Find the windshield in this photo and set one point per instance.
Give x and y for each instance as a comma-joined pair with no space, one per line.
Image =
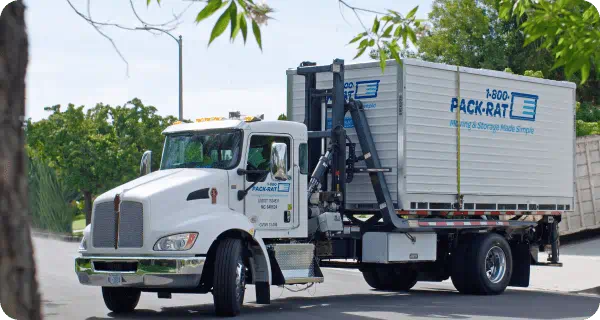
220,149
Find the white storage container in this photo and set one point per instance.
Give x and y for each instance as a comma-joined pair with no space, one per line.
517,136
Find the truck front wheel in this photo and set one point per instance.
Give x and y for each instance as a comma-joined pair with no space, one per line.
121,300
229,284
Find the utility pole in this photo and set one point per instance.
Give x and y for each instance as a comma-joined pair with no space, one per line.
180,45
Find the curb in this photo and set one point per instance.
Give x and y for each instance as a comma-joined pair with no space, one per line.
56,236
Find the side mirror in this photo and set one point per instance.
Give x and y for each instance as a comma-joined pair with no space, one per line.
146,163
279,161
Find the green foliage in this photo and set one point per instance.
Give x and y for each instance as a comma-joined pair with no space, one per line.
587,112
236,16
48,199
282,117
570,29
508,70
535,74
384,34
470,33
99,149
587,128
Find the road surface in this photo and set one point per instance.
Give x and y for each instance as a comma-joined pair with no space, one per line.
344,295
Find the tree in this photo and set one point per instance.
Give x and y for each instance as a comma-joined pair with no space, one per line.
470,33
99,149
19,295
282,117
570,29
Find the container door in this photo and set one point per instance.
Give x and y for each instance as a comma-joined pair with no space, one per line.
269,204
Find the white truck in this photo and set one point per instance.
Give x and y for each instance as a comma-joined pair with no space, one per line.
423,173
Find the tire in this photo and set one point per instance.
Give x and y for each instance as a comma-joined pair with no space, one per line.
487,251
459,276
229,278
372,278
391,278
121,300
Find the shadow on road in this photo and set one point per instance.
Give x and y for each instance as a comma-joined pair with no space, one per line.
515,304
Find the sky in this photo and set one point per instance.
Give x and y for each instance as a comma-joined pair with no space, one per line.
72,63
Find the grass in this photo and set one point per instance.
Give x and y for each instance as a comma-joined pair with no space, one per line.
79,222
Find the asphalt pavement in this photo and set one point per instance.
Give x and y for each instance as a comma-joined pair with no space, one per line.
344,295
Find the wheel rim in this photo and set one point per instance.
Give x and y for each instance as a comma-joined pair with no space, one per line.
495,264
240,281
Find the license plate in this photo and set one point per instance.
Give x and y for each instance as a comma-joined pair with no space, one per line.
114,279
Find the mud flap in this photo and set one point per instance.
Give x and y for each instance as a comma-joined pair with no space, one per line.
263,293
521,265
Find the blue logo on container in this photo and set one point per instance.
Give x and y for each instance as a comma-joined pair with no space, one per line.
366,89
523,106
283,187
348,123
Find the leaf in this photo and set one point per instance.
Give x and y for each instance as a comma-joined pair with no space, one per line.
360,52
371,42
585,72
396,13
148,2
364,43
236,30
244,27
412,13
394,53
387,32
375,28
208,10
398,31
412,35
220,26
382,58
233,16
358,37
256,31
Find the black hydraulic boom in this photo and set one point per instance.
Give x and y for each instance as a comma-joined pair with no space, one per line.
334,161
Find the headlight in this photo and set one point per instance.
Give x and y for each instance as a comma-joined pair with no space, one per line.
83,244
176,242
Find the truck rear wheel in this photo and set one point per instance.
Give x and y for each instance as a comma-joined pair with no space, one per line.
229,284
391,277
121,300
491,262
459,275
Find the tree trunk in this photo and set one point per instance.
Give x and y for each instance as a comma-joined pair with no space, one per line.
87,202
19,295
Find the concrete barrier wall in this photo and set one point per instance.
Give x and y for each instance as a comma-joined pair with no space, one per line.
587,185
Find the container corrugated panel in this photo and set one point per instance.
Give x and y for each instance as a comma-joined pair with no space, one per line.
586,215
379,94
516,138
430,143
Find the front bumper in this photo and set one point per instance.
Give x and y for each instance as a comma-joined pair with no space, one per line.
140,272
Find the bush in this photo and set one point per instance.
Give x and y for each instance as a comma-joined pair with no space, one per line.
48,199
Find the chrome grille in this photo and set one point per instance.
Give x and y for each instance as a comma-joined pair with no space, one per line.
131,225
103,225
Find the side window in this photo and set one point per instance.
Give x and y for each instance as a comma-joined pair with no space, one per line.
303,161
259,154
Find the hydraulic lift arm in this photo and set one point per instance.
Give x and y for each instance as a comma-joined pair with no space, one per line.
334,161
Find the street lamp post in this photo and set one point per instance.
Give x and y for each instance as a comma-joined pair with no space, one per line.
180,45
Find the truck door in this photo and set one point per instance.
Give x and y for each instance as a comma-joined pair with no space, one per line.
270,203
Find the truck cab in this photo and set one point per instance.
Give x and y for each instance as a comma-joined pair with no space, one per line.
218,179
